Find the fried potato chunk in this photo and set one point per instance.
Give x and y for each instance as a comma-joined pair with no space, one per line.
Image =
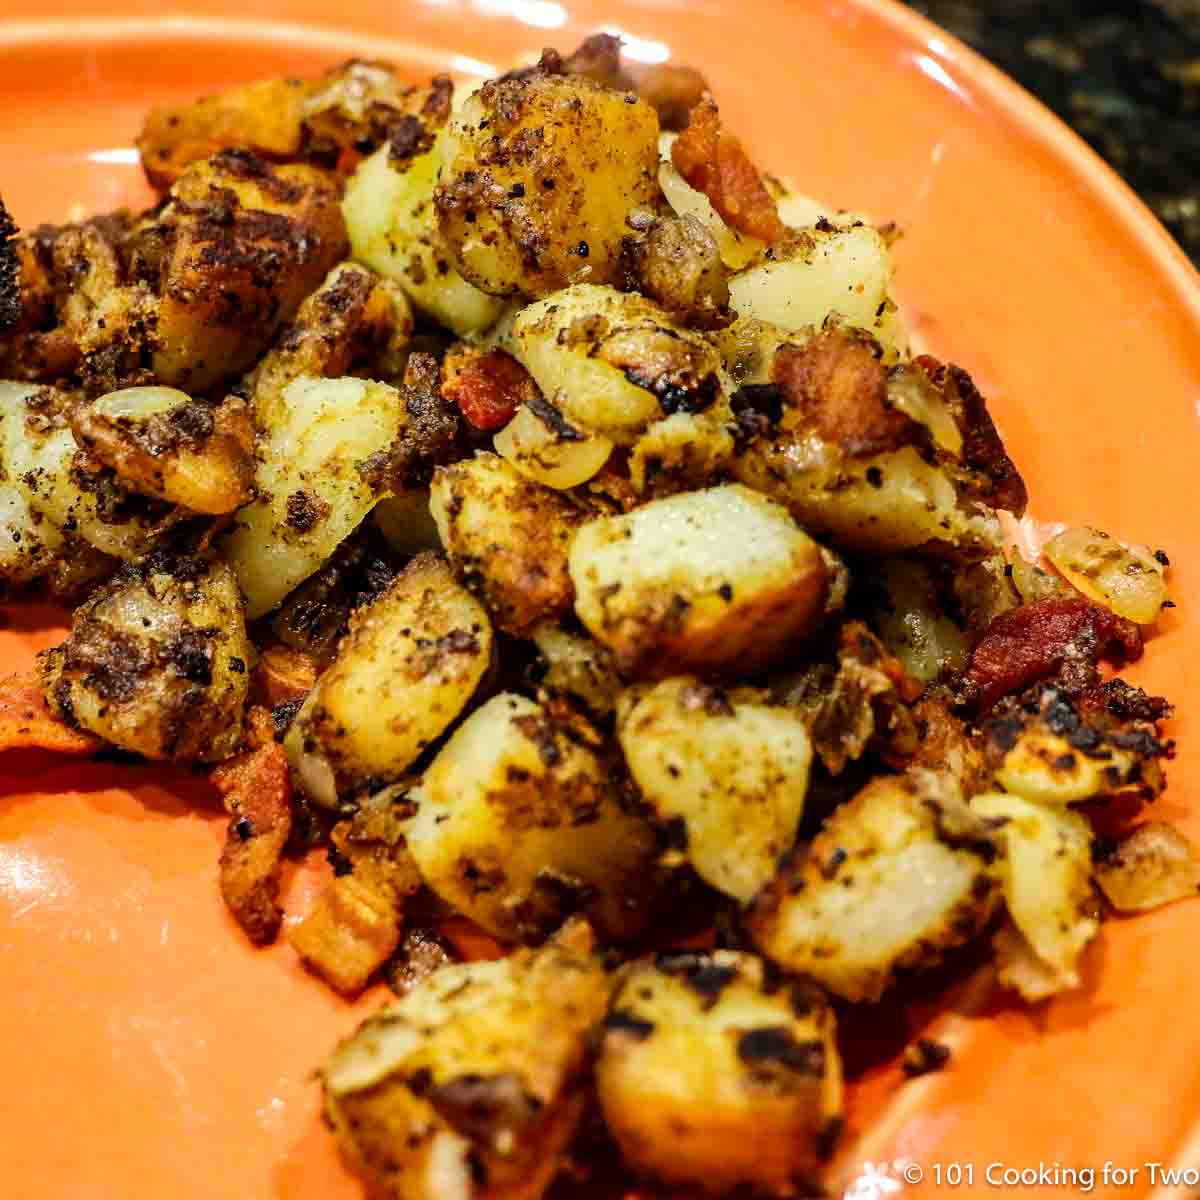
1153,865
539,174
157,661
470,1087
410,663
896,876
162,443
716,580
507,539
726,771
714,1073
518,824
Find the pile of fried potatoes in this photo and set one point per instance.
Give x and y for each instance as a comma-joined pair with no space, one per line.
518,494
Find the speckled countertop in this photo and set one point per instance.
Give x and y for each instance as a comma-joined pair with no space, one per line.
1124,73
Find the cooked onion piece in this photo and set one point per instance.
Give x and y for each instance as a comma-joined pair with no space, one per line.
1126,579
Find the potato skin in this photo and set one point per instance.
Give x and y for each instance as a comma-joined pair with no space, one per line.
540,172
519,824
896,876
410,663
714,1074
717,580
507,539
157,661
730,768
470,1086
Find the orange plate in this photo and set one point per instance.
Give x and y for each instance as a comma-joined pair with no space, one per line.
149,1052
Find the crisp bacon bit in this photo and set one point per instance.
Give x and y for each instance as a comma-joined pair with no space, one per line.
487,388
837,387
282,674
26,722
715,163
983,450
1034,641
257,791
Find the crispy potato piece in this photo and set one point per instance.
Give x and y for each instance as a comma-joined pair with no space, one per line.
577,666
257,793
518,824
162,443
819,272
26,721
264,117
55,487
726,771
1046,870
409,665
393,229
896,877
1152,866
712,1074
1128,580
157,661
716,580
354,324
885,504
470,1086
678,265
540,172
683,452
544,448
610,363
249,242
311,494
507,539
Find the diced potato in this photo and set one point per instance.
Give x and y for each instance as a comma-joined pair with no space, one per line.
539,175
518,825
393,229
713,1077
29,543
559,457
885,504
914,624
409,665
470,1086
612,362
719,579
311,494
578,666
1152,866
683,452
1046,871
507,539
249,240
1126,579
896,876
842,272
157,661
161,442
730,770
355,323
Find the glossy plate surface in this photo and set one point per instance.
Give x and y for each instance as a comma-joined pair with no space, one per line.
149,1052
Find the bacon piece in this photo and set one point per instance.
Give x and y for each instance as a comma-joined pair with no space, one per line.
1036,641
487,388
715,163
26,722
983,450
257,791
836,387
282,674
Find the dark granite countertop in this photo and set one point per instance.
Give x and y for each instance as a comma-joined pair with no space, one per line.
1124,73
